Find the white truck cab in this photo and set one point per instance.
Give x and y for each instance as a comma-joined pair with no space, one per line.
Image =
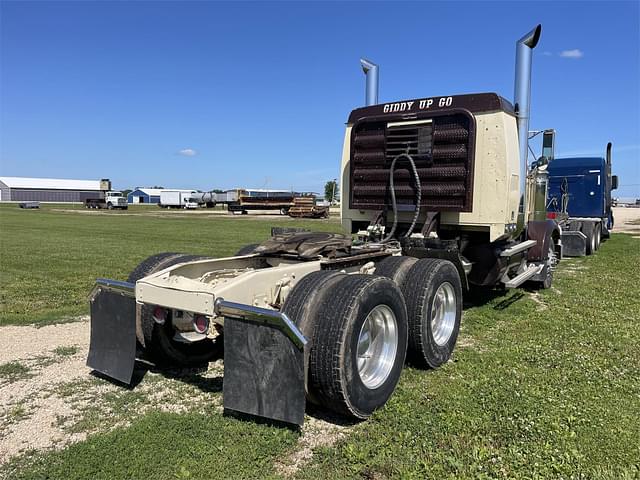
115,199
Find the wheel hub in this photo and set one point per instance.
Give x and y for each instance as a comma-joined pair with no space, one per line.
443,313
377,346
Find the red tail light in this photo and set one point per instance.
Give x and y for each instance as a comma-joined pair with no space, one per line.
201,324
551,215
160,315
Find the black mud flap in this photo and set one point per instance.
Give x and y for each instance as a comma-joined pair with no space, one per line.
264,372
112,350
574,243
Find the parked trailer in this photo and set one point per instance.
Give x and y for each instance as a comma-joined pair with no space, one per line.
307,207
177,199
208,199
29,205
440,192
243,199
580,201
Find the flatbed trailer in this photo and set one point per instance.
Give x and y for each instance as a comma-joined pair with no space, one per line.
440,196
306,207
241,200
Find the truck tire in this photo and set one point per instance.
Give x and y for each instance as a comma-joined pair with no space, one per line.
348,372
304,299
158,343
247,249
395,268
302,304
433,292
547,270
588,229
597,231
109,206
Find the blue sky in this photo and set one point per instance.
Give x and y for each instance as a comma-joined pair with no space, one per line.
218,95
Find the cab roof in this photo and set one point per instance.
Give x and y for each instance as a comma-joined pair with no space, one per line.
575,164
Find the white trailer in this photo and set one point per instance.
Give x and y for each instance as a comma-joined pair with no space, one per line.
176,199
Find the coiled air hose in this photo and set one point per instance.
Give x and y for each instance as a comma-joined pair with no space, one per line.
394,206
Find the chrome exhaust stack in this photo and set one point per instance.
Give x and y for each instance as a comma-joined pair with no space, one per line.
608,157
522,101
370,69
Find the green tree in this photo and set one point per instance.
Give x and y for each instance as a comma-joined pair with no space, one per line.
331,190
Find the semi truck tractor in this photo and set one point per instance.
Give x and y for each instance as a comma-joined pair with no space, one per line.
441,196
580,201
106,198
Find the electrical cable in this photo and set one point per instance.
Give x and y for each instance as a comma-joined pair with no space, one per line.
394,206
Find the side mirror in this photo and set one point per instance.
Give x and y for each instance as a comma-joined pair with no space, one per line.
614,182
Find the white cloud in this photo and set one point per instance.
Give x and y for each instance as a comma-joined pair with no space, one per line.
575,53
188,152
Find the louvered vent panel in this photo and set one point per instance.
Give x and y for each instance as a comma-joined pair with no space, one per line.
441,149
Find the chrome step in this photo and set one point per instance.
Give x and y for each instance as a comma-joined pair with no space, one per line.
520,247
529,272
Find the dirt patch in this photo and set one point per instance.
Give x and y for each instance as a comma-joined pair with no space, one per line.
317,432
465,341
59,402
18,343
540,304
570,268
626,220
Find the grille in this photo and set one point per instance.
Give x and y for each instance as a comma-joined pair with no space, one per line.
441,149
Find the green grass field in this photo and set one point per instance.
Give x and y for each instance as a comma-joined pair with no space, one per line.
541,385
50,257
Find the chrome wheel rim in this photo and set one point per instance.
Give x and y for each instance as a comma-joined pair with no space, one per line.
377,346
443,314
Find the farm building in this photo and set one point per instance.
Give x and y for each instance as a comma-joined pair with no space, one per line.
21,189
144,195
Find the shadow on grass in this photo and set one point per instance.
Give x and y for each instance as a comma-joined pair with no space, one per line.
320,413
193,376
247,417
189,375
480,296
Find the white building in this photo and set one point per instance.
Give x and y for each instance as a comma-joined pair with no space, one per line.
24,189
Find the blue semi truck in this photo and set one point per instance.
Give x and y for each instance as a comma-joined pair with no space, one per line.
579,199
